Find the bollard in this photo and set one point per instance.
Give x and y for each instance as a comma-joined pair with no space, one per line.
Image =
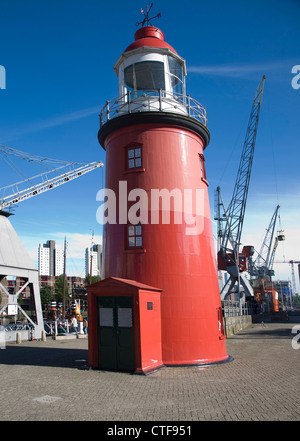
18,339
44,336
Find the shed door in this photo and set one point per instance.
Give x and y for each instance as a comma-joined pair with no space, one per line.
116,333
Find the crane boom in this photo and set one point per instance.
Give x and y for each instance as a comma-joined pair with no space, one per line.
229,258
20,195
263,263
236,209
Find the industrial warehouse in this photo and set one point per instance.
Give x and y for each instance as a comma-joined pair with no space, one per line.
173,302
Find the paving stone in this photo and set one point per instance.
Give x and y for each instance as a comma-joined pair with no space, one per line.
42,381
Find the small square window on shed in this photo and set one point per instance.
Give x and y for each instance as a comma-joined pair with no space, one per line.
150,306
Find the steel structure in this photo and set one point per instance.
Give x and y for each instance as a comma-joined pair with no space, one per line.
13,194
14,259
291,262
262,266
229,257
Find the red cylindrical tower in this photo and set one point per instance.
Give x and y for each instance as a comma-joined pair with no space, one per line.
160,233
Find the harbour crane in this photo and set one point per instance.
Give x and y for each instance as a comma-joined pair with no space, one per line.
262,266
13,194
14,258
229,237
292,263
261,269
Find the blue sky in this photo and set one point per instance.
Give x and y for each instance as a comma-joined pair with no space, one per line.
59,57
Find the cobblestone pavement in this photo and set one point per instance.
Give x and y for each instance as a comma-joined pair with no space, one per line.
41,381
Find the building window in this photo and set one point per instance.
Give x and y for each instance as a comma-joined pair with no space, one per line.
134,157
202,168
134,236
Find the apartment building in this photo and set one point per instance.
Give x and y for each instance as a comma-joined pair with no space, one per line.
50,259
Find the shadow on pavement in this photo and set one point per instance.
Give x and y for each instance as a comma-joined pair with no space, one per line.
268,330
42,356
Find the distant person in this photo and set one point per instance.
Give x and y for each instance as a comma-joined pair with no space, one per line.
85,326
74,325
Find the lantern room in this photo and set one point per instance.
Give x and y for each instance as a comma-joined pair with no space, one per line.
150,64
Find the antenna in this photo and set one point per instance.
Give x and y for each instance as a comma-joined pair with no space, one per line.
147,19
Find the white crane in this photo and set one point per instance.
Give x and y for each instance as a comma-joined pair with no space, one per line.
292,263
13,194
14,259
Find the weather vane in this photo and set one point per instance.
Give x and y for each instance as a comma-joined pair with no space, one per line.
147,19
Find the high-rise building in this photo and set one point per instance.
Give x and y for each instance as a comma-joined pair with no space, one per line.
93,257
50,259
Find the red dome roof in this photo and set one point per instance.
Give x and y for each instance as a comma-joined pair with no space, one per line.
149,36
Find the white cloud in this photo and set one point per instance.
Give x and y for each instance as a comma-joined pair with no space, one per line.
240,70
54,121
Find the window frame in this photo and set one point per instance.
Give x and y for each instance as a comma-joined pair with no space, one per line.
135,235
173,77
133,146
202,168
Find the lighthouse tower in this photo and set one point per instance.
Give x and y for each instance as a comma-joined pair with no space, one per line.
154,135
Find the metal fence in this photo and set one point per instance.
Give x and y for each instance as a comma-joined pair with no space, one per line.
234,308
153,100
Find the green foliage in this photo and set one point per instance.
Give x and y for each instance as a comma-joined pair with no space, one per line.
58,288
94,280
297,301
46,294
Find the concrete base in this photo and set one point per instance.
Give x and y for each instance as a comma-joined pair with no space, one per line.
69,336
236,323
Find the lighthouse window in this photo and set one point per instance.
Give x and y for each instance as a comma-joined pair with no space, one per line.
202,166
134,157
146,75
135,239
176,75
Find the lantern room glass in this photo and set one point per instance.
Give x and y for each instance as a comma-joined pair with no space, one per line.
145,75
176,75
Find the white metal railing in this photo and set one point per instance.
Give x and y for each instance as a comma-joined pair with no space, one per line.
152,100
234,308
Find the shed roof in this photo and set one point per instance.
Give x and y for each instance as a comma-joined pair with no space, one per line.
120,281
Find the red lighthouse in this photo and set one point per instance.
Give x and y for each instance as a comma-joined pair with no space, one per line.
154,135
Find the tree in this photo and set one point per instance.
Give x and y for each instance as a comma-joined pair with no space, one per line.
297,301
58,288
94,279
46,294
